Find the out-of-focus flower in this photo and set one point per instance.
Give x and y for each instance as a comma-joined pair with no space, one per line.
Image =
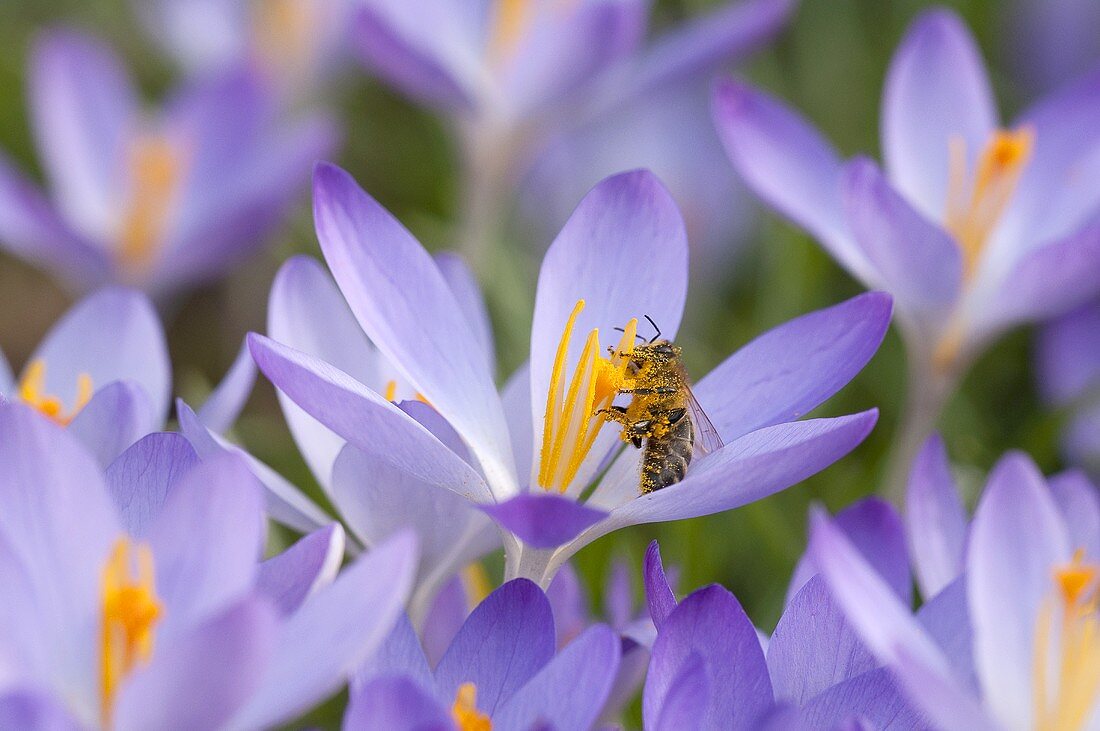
1051,41
534,452
158,201
1068,365
1030,592
973,228
291,43
134,596
500,672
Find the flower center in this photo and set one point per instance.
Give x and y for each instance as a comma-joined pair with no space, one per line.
465,713
1067,652
31,392
571,424
975,203
155,173
391,393
131,610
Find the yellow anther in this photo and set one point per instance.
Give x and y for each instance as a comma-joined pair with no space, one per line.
465,713
1077,579
476,584
510,23
31,392
130,614
391,390
155,173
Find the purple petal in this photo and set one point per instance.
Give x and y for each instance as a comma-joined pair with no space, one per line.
618,596
788,371
143,476
30,711
467,293
395,703
333,633
448,612
224,404
1017,540
587,667
291,577
1079,505
915,259
936,90
936,519
508,638
569,603
219,663
516,398
659,596
406,307
544,520
871,700
1069,355
118,415
688,698
711,625
401,654
946,618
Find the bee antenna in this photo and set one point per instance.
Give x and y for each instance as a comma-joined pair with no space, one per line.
651,322
640,337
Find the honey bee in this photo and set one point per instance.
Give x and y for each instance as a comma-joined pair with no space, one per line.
663,416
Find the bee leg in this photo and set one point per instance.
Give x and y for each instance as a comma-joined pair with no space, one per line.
666,391
636,441
675,415
616,414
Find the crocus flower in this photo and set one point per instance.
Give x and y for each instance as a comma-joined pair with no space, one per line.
1030,589
973,227
533,453
1068,377
1051,41
160,201
500,672
134,598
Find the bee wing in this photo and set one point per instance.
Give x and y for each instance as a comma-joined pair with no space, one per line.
707,438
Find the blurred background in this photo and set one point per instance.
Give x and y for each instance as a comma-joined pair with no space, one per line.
830,63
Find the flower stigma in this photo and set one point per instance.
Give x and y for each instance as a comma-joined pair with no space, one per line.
155,174
1067,648
571,422
31,392
131,611
465,713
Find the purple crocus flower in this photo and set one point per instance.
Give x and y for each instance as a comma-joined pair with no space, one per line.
1029,589
133,597
501,671
1051,41
1069,378
973,227
158,201
534,452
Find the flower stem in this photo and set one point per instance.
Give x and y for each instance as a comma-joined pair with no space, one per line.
486,175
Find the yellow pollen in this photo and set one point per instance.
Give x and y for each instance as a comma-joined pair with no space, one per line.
973,210
1068,643
390,393
154,179
571,422
130,613
475,582
30,391
465,713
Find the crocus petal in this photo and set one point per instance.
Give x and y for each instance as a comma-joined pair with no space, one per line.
916,259
508,638
1017,539
206,541
946,618
871,700
294,575
143,476
364,418
516,397
31,711
788,371
332,634
112,335
1079,505
118,415
84,110
401,654
935,518
406,307
7,381
569,601
687,700
1068,354
790,165
395,703
658,593
448,612
467,293
225,402
219,662
544,520
936,91
587,666
711,625
813,647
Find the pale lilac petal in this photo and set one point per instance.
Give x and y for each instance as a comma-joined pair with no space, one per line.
400,653
618,595
1068,355
813,647
467,293
395,703
291,577
143,476
332,634
1079,504
406,307
543,520
112,335
118,415
570,604
788,371
440,428
936,90
687,699
516,397
1017,539
587,666
365,419
917,261
206,541
936,519
31,711
508,638
200,678
871,700
659,597
224,404
84,109
446,616
711,624
947,620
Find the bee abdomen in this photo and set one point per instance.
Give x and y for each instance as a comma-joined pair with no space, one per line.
665,460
